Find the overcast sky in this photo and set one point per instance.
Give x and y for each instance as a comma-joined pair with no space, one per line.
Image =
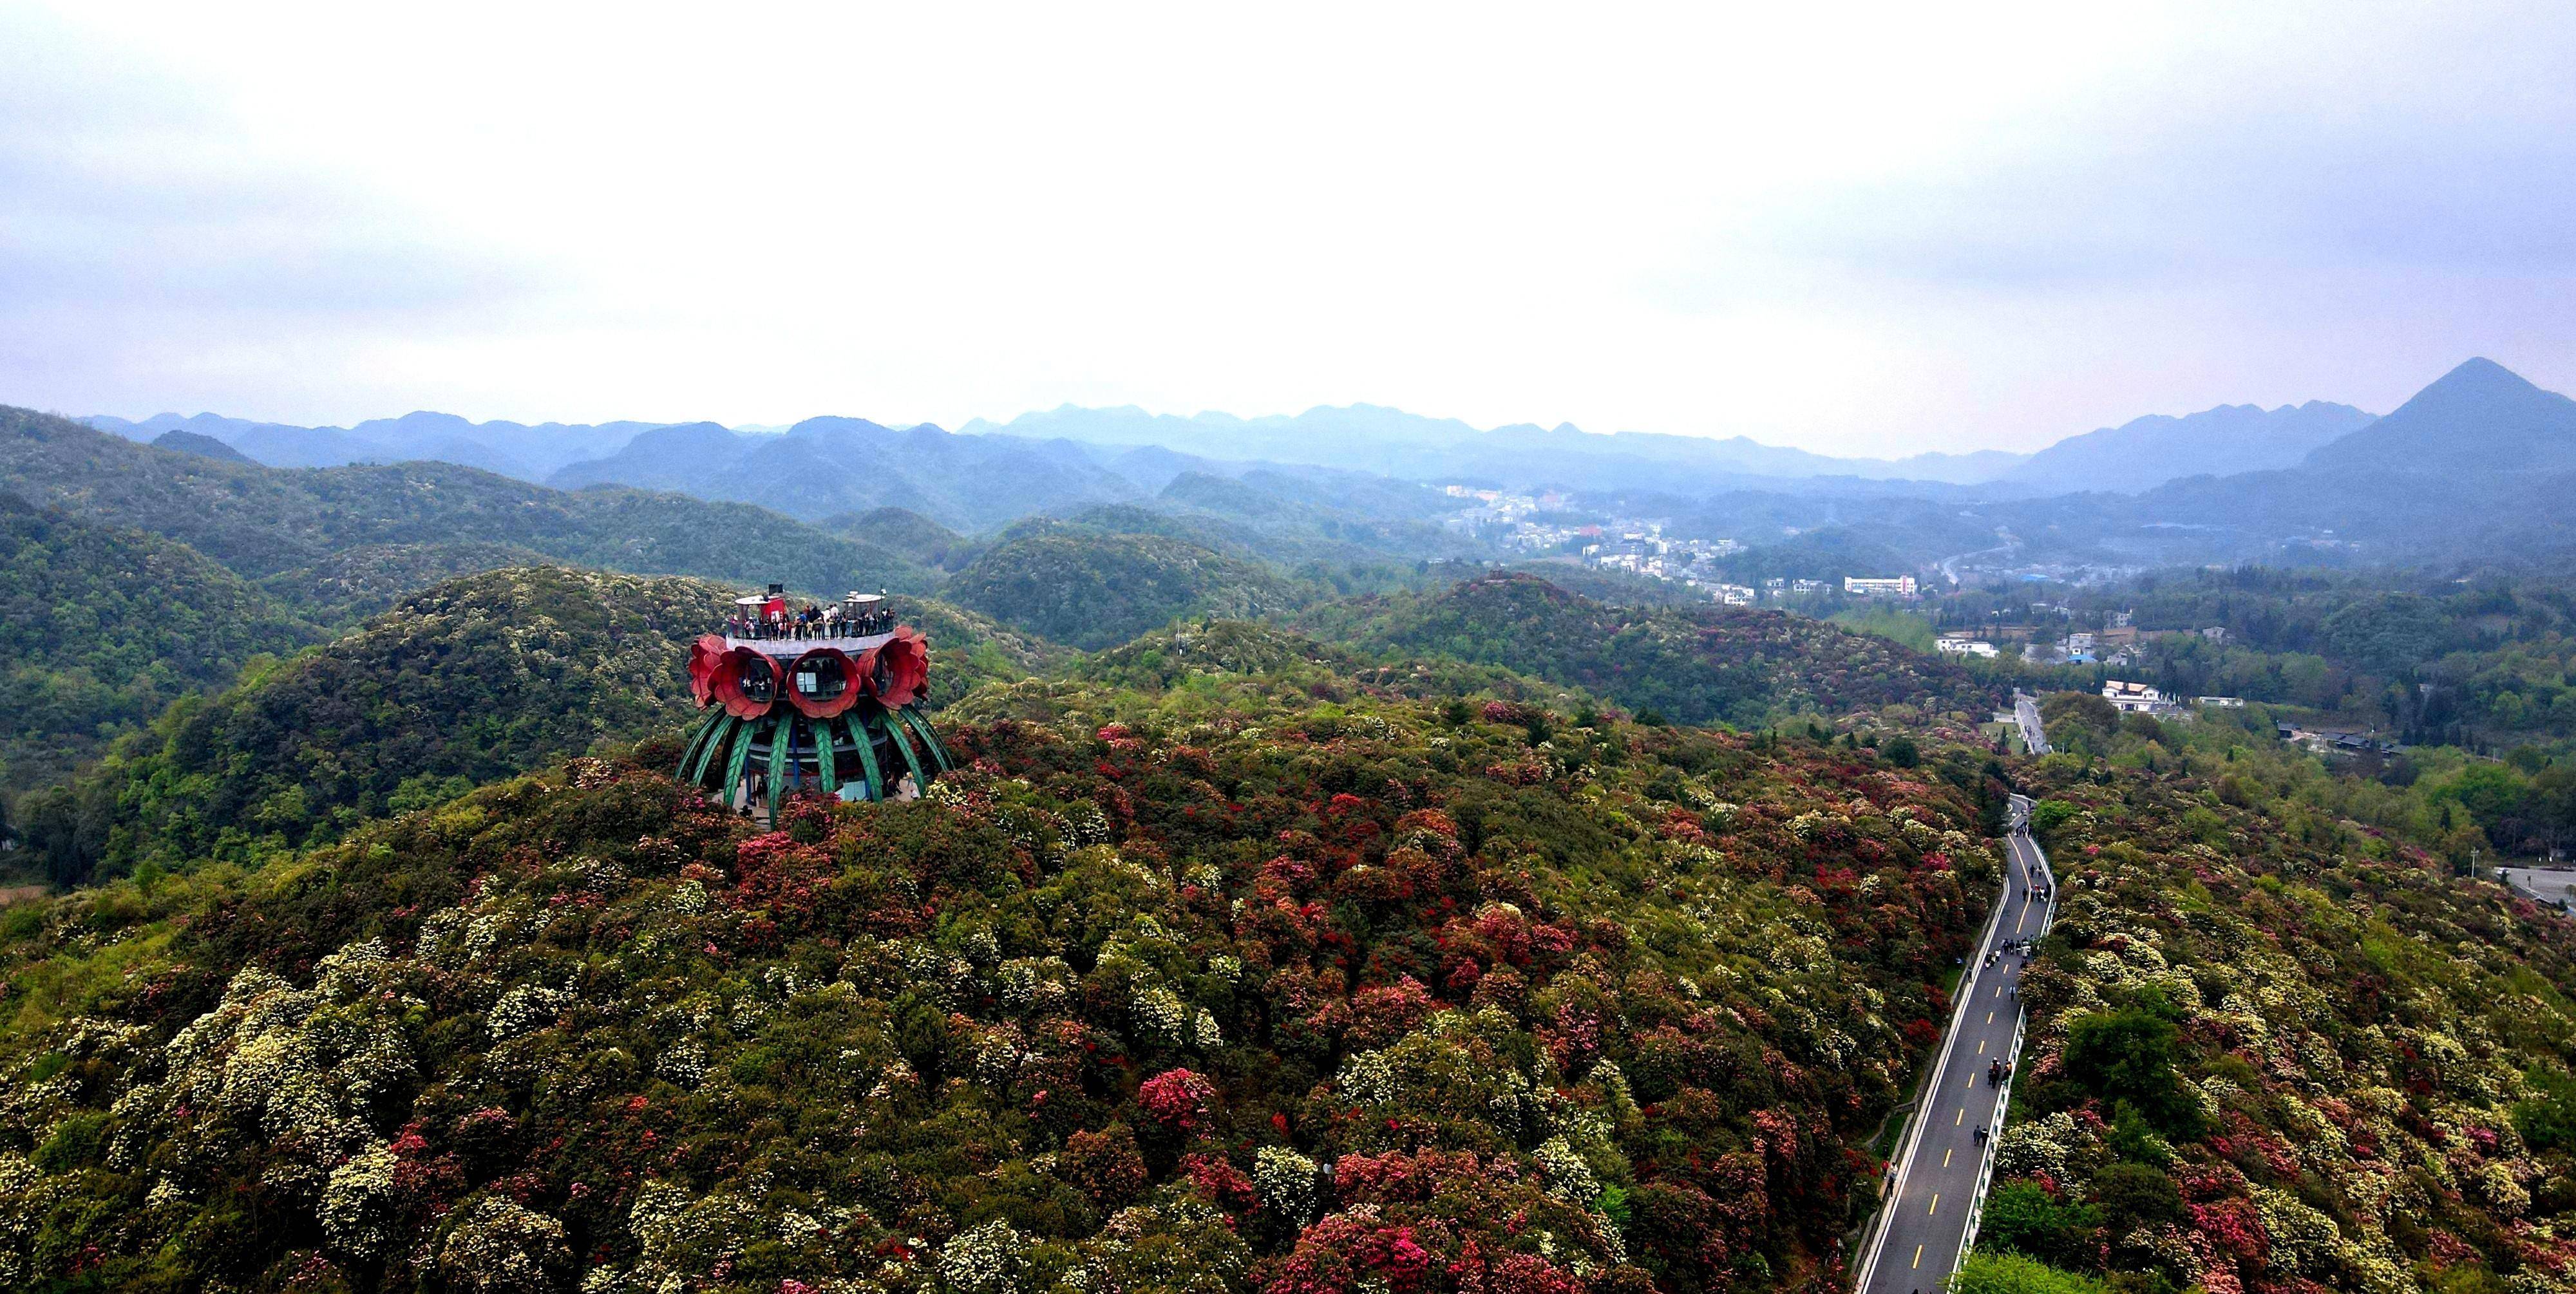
1861,230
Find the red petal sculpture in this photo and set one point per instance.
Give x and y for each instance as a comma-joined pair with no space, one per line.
746,683
704,657
898,669
837,683
759,692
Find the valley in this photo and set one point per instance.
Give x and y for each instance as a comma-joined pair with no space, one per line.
1313,891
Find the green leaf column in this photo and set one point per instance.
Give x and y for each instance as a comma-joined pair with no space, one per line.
867,744
894,729
734,766
824,736
782,735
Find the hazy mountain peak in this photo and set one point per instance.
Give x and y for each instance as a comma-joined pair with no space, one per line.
2479,379
203,446
830,424
2479,417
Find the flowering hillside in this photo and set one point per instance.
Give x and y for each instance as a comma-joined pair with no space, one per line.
1297,994
2276,1052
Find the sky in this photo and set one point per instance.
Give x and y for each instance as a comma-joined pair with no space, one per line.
1858,229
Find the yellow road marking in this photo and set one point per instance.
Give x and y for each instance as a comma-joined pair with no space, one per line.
1981,1046
1936,1204
1918,1256
2025,919
1990,1017
1945,1156
1963,1117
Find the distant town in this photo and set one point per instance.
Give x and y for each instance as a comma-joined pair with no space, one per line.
1639,546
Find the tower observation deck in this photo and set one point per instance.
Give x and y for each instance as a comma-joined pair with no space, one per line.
815,698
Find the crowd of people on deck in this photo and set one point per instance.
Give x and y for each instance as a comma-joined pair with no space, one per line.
811,621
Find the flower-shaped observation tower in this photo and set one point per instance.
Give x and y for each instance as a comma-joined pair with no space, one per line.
826,698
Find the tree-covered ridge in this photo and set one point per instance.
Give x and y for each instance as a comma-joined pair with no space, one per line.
1333,517
2485,659
101,627
1728,664
2272,1050
901,530
474,680
260,521
1091,588
2438,798
1314,996
1206,666
350,584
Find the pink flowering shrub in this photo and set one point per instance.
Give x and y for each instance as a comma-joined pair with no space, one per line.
1176,1098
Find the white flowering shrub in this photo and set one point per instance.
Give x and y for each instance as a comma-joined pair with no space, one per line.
23,1205
355,1204
1177,1244
1034,983
1159,1017
2052,1147
522,1009
498,1246
985,1260
1286,1181
1568,1177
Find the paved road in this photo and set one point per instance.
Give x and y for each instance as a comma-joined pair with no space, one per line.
1950,565
1939,1173
2555,886
2034,737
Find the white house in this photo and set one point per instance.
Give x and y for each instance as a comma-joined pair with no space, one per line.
1900,586
2132,698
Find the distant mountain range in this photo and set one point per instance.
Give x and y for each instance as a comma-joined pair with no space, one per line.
2141,454
2477,459
326,529
1395,443
825,466
515,449
1069,457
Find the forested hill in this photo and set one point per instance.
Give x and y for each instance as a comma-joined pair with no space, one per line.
261,521
1695,665
474,680
1206,658
1095,588
1303,995
100,627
